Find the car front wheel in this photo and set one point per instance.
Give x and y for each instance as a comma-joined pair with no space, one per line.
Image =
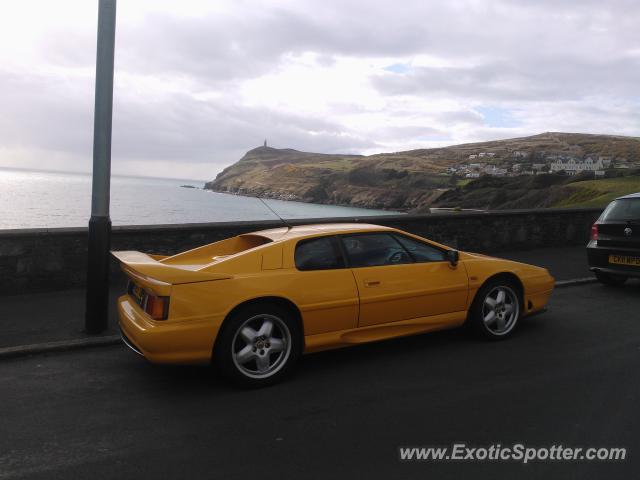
496,310
258,345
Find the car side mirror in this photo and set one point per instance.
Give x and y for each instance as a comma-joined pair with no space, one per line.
453,256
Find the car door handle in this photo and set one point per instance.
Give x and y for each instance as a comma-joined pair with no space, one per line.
371,283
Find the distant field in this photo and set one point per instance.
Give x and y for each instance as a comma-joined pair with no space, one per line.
598,193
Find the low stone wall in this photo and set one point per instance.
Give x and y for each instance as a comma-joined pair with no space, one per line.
51,259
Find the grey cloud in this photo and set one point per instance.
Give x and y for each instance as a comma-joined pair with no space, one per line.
55,115
181,127
253,38
460,117
555,60
534,79
407,133
518,50
46,113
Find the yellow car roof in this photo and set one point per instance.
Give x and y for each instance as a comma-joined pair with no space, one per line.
285,233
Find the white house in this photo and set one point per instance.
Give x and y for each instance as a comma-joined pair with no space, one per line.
606,161
495,171
574,167
519,154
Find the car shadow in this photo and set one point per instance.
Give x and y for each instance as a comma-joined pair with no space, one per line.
207,380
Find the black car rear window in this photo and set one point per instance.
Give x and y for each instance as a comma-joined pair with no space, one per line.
622,210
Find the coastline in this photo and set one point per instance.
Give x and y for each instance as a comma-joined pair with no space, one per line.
290,197
31,199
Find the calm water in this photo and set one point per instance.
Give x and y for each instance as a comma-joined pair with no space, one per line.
43,199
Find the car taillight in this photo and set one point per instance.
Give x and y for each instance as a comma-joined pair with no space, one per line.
157,307
594,232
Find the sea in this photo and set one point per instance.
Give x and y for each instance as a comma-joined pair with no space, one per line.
39,199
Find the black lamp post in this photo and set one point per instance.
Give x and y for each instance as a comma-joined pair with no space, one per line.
97,300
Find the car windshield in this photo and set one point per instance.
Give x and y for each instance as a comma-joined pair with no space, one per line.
622,210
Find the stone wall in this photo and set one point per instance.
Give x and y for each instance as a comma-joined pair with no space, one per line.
52,259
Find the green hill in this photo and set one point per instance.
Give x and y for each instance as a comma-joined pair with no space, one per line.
415,180
539,191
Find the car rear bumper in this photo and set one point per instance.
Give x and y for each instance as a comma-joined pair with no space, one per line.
187,342
598,258
129,343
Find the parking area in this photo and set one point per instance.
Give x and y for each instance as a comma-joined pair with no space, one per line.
570,377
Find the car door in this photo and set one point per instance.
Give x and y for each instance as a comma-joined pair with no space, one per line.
400,278
325,290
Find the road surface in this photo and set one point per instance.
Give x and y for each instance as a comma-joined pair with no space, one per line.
570,377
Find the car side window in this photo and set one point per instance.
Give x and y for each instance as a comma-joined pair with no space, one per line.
420,251
374,249
318,254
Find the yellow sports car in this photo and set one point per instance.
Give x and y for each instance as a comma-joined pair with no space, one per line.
252,304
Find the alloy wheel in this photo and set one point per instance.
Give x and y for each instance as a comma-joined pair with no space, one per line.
261,346
500,310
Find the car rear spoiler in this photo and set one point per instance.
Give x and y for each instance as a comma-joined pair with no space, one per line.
154,272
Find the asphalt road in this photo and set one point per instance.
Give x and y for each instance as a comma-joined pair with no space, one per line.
570,377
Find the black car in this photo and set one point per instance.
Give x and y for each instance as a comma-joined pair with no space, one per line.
614,249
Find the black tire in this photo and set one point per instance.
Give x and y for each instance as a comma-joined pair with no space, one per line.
248,369
506,315
610,279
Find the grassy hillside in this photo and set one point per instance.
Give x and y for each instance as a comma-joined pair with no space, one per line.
598,193
415,180
544,191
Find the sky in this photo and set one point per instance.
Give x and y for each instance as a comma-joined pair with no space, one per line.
198,83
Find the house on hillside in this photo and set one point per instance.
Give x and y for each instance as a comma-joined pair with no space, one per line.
495,171
606,161
574,167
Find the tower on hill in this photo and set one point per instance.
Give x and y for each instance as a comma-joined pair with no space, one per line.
265,142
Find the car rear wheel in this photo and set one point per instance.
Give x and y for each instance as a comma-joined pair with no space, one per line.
610,279
496,310
258,345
